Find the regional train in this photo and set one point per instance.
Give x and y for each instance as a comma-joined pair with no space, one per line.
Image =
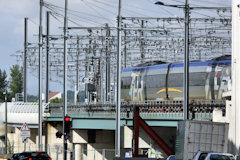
207,80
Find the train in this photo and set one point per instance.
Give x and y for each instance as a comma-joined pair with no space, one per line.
165,81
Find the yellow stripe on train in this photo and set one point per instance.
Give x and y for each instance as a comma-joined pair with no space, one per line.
169,89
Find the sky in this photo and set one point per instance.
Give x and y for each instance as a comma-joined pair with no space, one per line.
90,13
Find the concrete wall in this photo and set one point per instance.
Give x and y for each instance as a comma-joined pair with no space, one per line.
103,146
168,134
15,140
80,147
78,144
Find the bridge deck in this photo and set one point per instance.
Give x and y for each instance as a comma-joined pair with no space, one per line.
156,113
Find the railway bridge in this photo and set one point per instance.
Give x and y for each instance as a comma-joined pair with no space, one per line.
93,125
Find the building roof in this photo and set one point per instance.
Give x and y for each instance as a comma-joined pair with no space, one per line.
52,94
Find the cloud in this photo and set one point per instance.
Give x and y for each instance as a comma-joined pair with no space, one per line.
17,8
12,13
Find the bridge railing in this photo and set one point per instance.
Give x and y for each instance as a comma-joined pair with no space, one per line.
145,106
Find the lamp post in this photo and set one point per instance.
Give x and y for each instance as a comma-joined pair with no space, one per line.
5,95
186,55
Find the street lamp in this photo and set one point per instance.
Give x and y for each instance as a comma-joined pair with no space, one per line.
186,55
5,95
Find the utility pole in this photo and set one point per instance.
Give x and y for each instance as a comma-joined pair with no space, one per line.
25,59
98,79
40,80
88,68
186,62
47,57
94,63
107,63
101,73
6,146
86,77
142,42
118,101
65,78
76,98
125,46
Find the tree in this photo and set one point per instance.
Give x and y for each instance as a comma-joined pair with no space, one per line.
3,84
32,98
56,100
16,80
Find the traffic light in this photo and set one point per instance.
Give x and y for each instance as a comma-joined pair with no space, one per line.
68,124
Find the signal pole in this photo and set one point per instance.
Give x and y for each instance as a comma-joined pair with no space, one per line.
65,79
108,33
40,80
47,57
118,104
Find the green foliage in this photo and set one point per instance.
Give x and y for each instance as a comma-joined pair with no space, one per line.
16,80
56,100
3,84
32,98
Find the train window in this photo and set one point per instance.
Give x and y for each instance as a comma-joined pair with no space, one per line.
175,80
149,81
126,82
155,81
219,75
197,79
135,83
139,81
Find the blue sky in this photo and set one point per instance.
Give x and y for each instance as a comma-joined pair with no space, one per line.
12,13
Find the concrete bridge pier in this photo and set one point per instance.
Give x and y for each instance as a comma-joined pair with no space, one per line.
78,151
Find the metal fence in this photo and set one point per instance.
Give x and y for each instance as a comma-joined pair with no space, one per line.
56,152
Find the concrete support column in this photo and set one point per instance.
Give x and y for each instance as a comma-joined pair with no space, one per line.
234,126
78,152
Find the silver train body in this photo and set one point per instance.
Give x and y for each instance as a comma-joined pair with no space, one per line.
207,80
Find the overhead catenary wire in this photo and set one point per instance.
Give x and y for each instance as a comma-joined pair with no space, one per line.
74,11
157,43
75,16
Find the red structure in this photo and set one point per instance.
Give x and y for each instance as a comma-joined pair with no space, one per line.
139,122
